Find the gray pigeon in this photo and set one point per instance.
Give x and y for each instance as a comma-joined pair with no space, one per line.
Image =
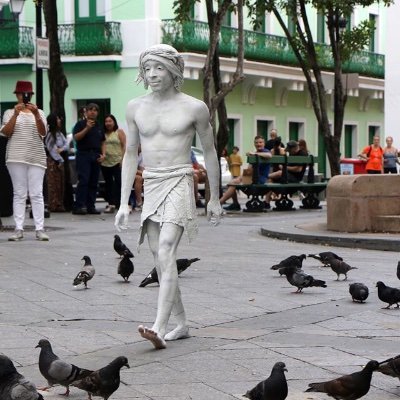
56,371
301,280
120,247
291,261
273,388
182,264
359,291
105,381
325,256
340,267
388,294
13,386
125,266
347,387
86,273
390,367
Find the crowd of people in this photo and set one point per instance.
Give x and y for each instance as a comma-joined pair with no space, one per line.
38,150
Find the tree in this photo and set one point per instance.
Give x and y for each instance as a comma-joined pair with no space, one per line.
343,43
57,80
214,90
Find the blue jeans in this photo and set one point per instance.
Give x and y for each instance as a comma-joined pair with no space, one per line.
87,169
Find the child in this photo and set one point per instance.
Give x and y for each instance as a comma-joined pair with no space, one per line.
235,162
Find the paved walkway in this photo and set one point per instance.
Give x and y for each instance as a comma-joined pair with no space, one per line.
243,316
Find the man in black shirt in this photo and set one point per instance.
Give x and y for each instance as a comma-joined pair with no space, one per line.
295,172
90,145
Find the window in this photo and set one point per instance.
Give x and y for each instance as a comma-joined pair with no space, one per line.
373,19
320,27
89,10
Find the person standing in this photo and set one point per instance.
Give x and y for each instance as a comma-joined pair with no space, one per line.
57,147
111,165
390,157
90,153
235,162
165,122
25,127
373,154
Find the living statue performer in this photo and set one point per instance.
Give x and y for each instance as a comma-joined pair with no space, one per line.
165,122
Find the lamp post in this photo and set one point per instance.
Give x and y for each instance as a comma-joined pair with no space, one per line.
16,7
39,71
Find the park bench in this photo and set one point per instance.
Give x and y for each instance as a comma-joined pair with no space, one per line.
255,191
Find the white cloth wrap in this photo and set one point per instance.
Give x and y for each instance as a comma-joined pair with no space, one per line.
169,197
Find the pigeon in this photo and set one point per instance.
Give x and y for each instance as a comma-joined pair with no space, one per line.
57,371
14,386
182,264
359,292
105,381
121,247
398,269
273,388
390,367
125,266
388,294
340,267
86,273
325,257
298,278
296,261
347,387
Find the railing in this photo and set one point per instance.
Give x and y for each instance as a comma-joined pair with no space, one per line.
91,39
194,36
16,42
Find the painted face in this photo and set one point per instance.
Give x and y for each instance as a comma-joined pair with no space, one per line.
109,124
259,144
157,76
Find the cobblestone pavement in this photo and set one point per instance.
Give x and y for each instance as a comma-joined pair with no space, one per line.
243,316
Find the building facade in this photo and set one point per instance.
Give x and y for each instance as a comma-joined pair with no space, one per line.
101,41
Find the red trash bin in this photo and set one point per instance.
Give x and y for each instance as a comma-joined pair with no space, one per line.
352,166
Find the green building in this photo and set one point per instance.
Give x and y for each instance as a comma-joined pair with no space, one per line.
101,41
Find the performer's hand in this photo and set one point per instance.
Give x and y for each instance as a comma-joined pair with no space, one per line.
121,219
214,212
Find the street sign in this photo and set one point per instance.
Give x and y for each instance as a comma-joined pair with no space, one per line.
42,53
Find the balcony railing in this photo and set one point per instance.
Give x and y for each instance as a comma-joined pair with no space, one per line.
194,36
91,39
16,42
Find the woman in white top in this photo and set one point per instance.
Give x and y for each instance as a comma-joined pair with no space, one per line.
25,127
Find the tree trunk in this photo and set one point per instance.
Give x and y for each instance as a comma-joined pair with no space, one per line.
57,80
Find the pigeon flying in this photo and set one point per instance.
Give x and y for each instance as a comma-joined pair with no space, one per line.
86,273
273,388
340,267
292,261
347,387
390,367
56,371
182,264
105,381
325,257
359,292
13,386
299,279
125,266
388,294
121,247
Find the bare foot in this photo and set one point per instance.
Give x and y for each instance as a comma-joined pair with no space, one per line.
180,332
158,341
